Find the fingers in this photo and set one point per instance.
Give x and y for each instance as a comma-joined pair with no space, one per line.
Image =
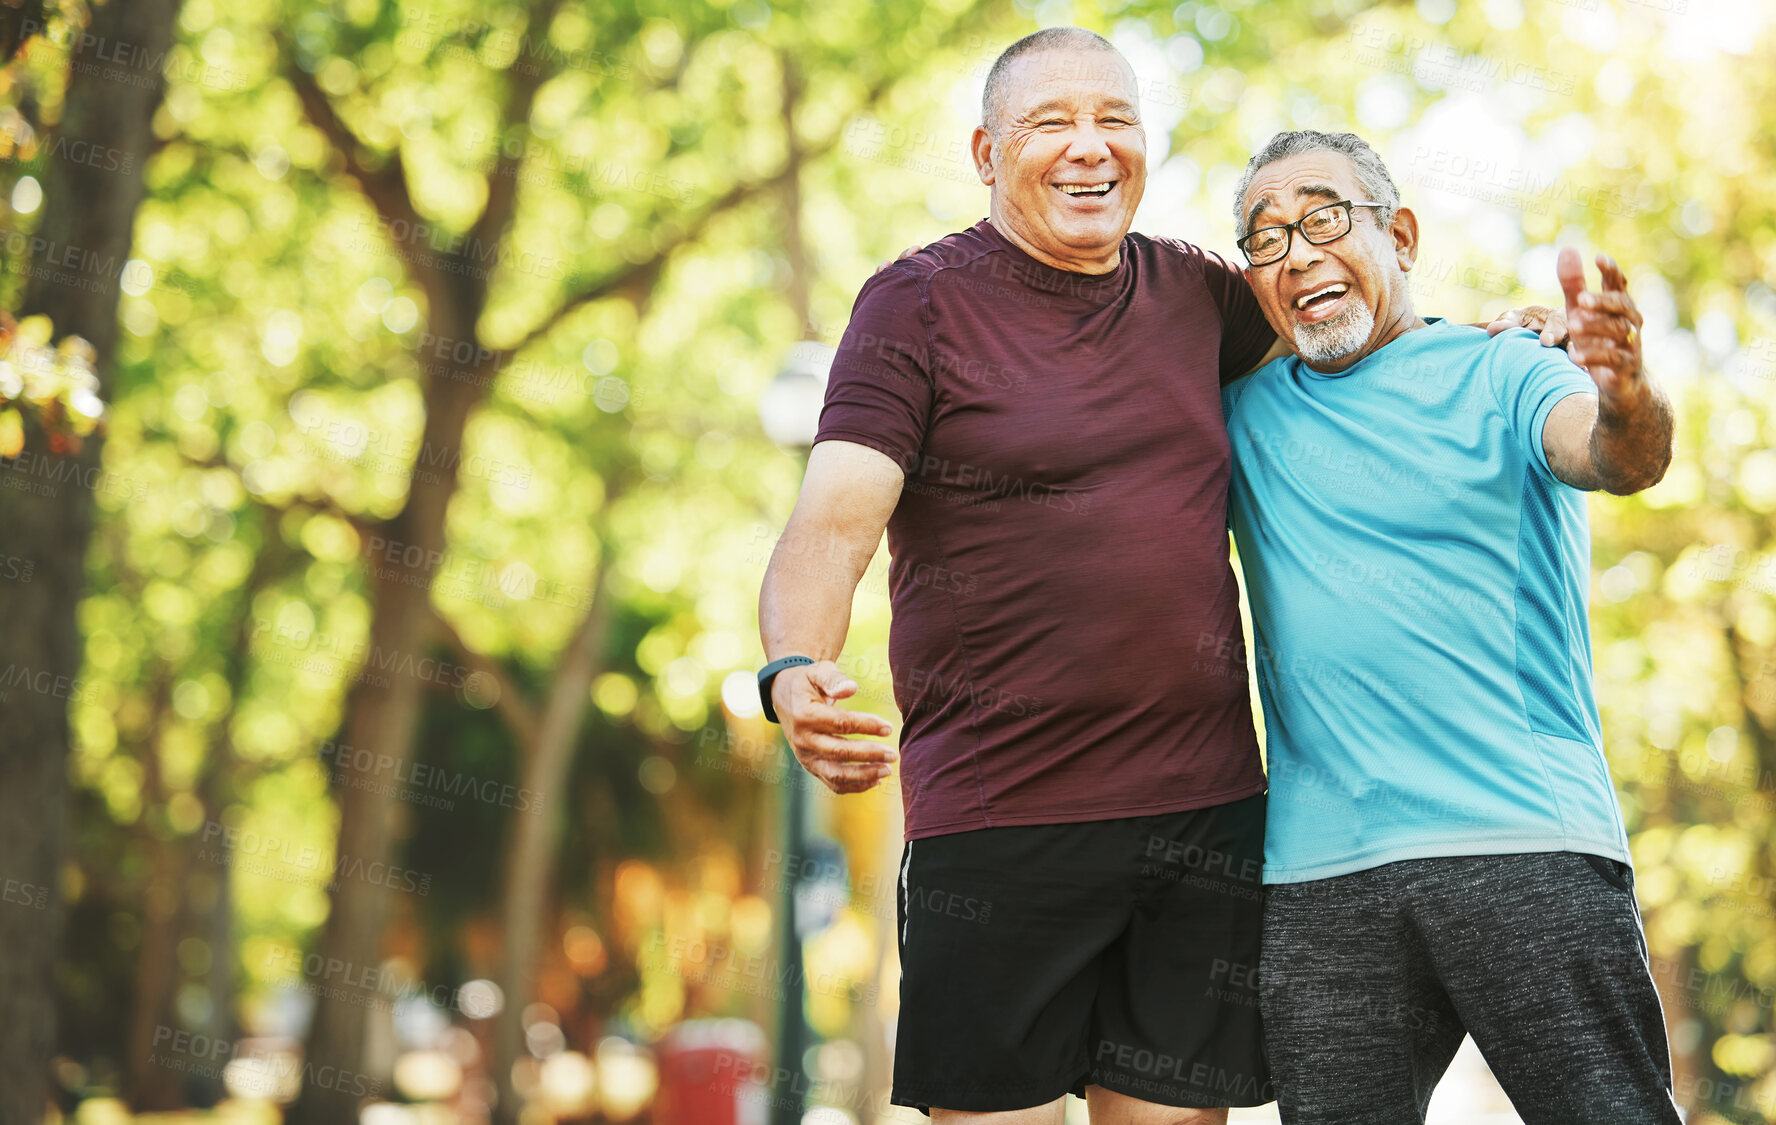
1571,270
1602,353
810,703
815,728
1611,312
1509,319
832,748
904,255
1605,325
1614,280
842,765
831,680
1549,324
1555,329
821,718
1615,301
1591,329
846,779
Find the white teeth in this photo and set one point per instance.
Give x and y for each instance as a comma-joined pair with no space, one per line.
1334,288
1086,189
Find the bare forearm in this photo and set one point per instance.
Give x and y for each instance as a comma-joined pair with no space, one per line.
1631,439
805,602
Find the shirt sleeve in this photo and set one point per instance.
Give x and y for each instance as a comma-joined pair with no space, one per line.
1530,380
1245,334
879,392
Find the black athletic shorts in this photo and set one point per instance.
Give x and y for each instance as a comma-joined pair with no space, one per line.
1038,959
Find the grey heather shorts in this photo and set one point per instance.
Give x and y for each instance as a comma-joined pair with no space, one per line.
1369,981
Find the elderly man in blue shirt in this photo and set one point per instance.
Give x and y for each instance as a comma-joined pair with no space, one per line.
1444,851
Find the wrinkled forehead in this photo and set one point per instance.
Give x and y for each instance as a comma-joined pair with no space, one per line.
1293,185
1077,78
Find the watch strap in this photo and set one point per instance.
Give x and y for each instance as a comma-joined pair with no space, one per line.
769,673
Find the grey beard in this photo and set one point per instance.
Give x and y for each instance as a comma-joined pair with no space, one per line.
1329,341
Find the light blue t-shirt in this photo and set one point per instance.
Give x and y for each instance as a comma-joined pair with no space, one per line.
1418,583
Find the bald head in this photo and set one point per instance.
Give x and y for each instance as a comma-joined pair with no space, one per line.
1076,39
1061,145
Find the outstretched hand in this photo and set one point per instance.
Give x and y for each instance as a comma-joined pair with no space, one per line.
806,701
1605,327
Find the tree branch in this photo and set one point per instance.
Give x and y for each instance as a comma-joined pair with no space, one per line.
386,187
579,664
502,184
642,276
511,705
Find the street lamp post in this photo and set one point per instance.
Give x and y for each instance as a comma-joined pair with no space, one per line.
789,411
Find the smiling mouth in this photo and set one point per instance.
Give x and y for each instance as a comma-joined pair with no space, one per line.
1087,191
1319,303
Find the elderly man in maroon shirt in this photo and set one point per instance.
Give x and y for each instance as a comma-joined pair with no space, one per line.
1031,408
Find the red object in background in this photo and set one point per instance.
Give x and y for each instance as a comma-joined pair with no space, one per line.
713,1072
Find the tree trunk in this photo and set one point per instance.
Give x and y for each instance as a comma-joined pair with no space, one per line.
530,859
382,712
382,716
164,919
89,214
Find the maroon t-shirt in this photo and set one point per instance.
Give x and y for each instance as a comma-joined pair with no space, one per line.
1063,604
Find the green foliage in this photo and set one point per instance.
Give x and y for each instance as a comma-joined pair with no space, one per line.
279,345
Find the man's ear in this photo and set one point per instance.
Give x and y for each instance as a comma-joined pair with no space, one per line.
981,146
1405,233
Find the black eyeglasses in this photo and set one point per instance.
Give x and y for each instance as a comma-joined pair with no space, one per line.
1319,226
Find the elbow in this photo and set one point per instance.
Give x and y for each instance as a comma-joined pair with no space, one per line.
1641,478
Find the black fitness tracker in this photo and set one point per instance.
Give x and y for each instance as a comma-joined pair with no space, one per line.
769,673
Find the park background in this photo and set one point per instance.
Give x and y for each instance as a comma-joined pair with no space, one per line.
379,734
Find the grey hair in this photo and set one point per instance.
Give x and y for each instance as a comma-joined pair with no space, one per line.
1049,38
1372,174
